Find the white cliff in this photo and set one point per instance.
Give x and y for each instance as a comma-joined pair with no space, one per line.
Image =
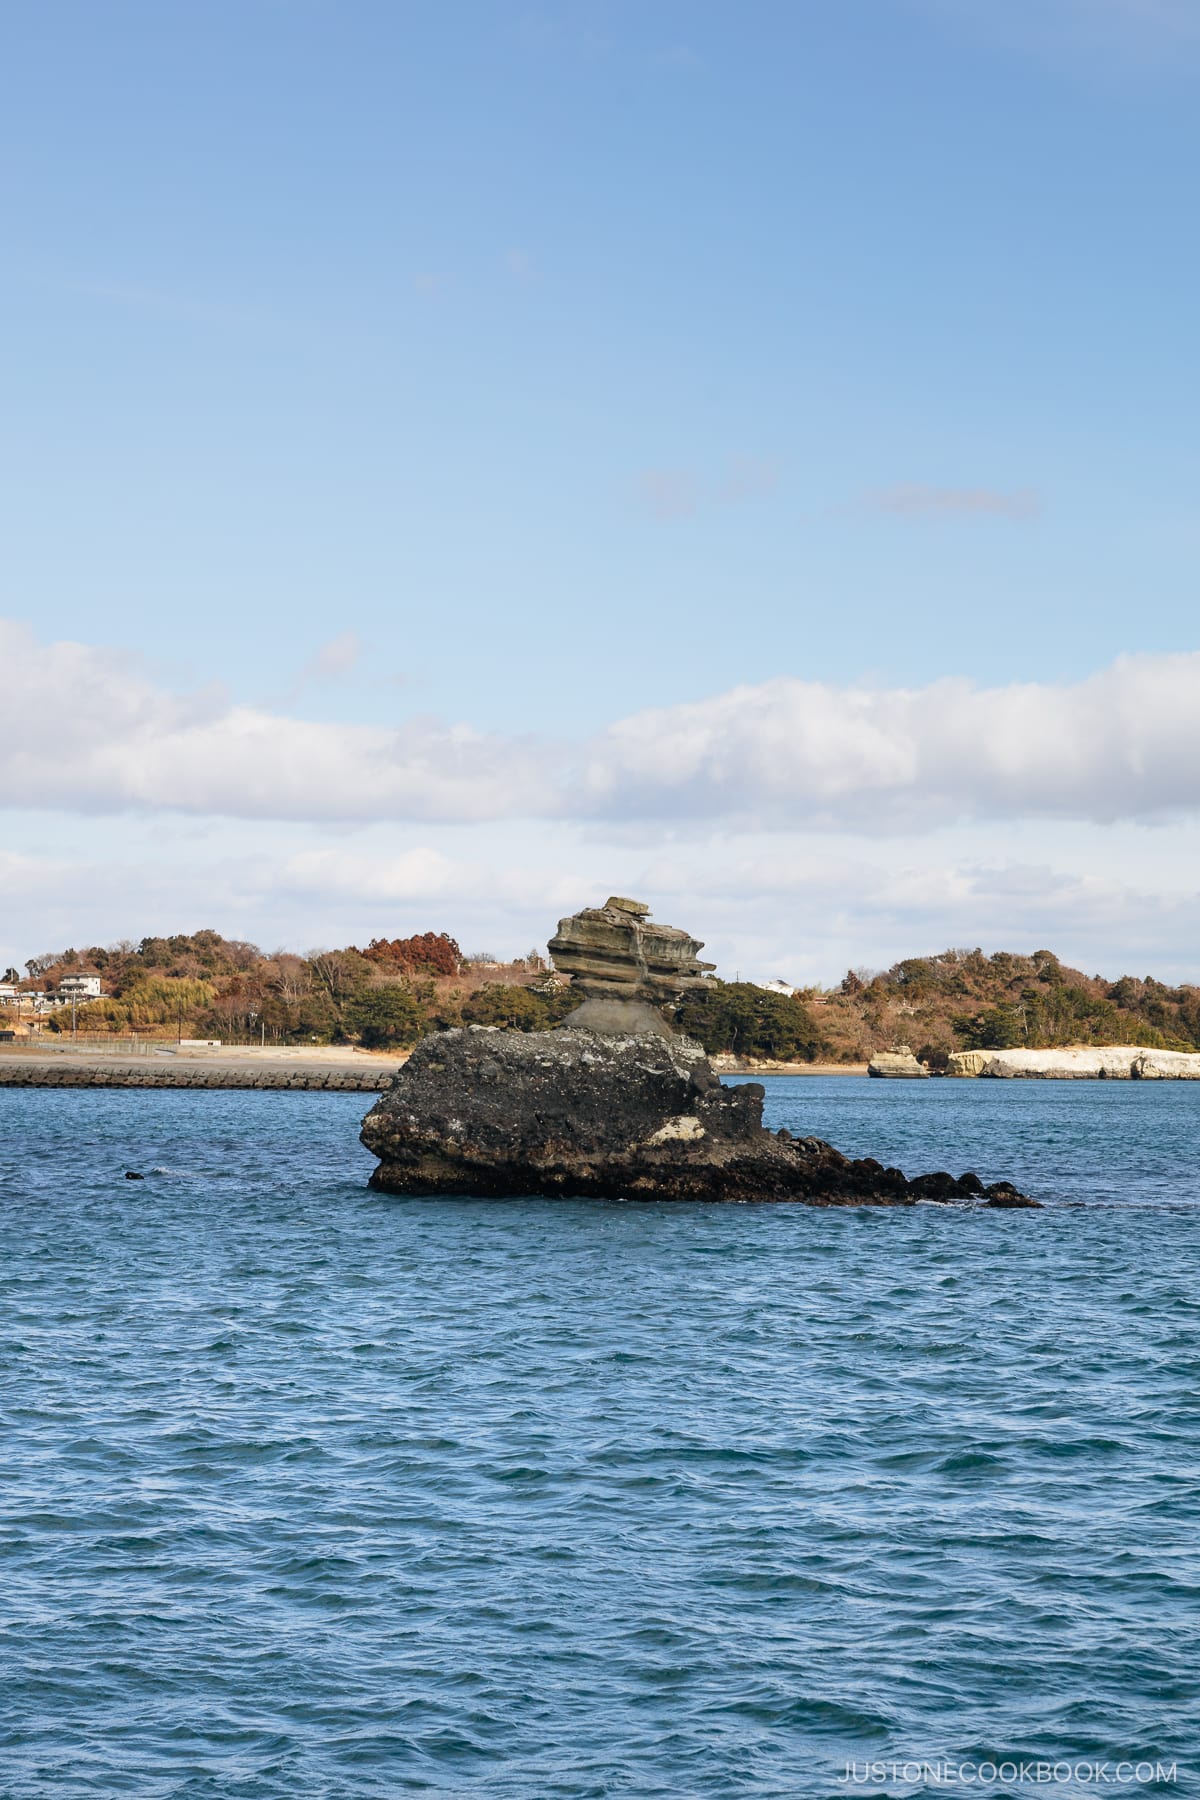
1085,1062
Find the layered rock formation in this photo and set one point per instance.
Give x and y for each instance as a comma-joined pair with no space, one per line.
624,967
570,1112
898,1064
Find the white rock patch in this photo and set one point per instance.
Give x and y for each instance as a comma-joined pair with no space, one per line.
681,1130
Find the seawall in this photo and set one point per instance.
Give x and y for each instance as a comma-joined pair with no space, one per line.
94,1077
230,1070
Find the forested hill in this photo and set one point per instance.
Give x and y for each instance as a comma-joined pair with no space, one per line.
396,990
201,984
964,1000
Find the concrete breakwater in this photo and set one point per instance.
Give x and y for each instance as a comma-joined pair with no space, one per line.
232,1070
33,1075
1109,1062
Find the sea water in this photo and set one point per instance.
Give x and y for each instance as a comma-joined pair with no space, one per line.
308,1491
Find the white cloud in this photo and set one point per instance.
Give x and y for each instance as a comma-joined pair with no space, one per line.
916,500
1142,23
670,494
334,659
24,877
331,662
1123,744
425,874
1124,35
88,732
747,478
807,911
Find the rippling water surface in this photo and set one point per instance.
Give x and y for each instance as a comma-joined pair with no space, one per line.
309,1492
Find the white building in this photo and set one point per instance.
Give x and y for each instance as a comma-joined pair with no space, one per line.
79,987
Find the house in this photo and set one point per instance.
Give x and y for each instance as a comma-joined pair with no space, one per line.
777,987
79,988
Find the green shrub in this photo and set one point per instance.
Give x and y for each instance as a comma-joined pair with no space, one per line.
515,1008
739,1019
385,1017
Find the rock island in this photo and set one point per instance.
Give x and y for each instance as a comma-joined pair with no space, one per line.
612,1103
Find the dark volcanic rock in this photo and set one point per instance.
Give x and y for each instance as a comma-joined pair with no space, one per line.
489,1112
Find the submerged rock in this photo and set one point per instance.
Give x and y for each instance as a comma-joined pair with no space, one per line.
571,1112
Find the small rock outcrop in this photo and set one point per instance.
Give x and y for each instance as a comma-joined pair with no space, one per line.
899,1064
624,967
573,1112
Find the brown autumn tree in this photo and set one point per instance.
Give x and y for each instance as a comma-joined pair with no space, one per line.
433,951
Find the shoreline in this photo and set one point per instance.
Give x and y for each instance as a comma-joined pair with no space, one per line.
345,1067
324,1068
734,1065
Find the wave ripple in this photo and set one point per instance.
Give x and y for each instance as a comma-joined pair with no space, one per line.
313,1492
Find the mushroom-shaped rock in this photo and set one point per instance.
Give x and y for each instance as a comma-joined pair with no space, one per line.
625,967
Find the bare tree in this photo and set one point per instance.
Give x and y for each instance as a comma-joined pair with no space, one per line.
334,971
291,976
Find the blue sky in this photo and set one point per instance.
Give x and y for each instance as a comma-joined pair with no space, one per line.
498,374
